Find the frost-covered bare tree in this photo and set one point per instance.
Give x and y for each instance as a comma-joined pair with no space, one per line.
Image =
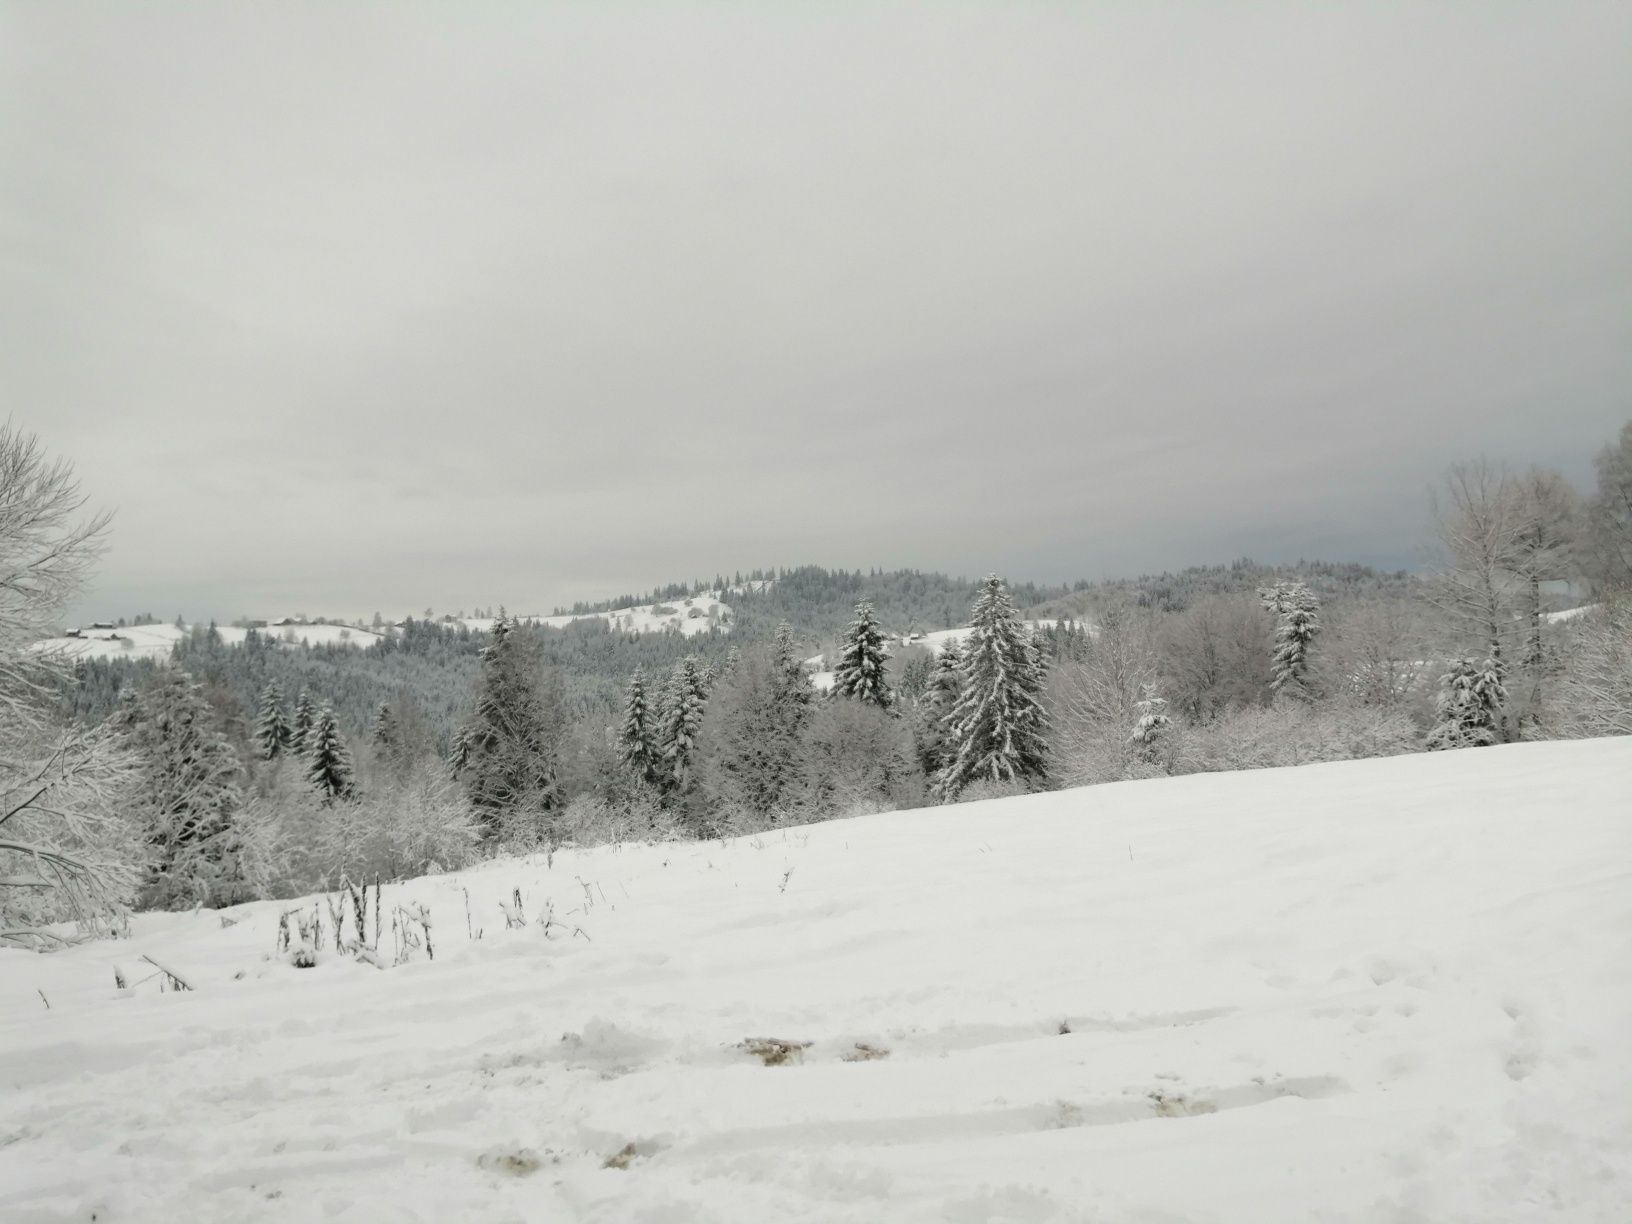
1609,516
1379,651
1481,519
1212,656
67,853
1096,702
1593,696
1549,514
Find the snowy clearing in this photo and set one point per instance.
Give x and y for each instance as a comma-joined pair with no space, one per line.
1390,990
157,641
694,614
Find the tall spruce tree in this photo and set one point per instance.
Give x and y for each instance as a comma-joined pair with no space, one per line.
941,692
513,738
687,700
635,736
792,680
999,729
305,716
271,724
750,750
1297,621
859,674
189,797
328,760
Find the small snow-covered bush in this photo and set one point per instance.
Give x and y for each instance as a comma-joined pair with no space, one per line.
293,843
1287,733
590,820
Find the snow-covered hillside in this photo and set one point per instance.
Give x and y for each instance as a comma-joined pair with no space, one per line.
1383,990
695,614
157,641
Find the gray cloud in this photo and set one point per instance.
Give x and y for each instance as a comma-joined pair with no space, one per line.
368,308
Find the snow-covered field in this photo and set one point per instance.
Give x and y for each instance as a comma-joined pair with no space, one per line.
1385,990
157,641
696,614
688,616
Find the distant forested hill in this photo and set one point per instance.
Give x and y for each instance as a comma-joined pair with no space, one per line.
819,602
429,666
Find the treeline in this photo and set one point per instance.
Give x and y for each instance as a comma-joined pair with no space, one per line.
1174,592
430,664
267,770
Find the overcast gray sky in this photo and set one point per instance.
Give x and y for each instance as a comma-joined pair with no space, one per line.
347,308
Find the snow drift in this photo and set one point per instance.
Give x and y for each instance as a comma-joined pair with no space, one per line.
1377,990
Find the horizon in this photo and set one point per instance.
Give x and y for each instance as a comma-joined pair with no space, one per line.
644,594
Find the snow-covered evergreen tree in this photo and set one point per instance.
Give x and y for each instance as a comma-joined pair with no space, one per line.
271,724
750,752
941,692
1468,713
459,752
385,732
1297,621
305,715
998,729
682,716
189,795
859,673
793,681
1151,728
514,735
635,736
328,760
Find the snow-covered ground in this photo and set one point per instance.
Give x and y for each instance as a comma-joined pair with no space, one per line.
1568,614
695,614
157,641
1386,990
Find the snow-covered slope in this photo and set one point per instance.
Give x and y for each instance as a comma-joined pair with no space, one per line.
1389,990
696,614
157,641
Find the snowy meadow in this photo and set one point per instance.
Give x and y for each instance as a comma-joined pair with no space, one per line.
1379,990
